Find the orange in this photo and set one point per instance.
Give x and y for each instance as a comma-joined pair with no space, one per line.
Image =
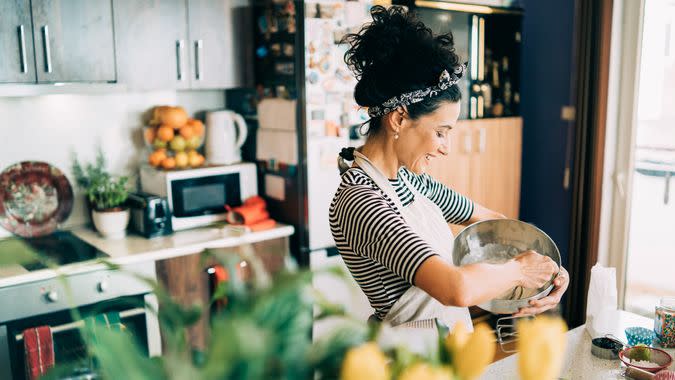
169,163
187,131
196,160
149,135
181,160
197,126
156,157
165,133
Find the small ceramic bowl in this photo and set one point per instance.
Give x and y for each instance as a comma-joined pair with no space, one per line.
639,335
658,359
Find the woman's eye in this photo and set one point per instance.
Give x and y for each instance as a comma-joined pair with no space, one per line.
440,134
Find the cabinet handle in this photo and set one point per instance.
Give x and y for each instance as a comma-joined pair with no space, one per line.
180,44
482,140
468,143
199,45
22,49
481,48
48,54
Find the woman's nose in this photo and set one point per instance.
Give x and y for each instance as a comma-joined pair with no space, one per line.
443,149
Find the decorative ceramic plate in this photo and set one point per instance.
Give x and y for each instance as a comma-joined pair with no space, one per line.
34,198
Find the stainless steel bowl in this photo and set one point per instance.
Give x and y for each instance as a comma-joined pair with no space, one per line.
500,240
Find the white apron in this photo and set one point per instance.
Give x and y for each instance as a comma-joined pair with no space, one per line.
426,219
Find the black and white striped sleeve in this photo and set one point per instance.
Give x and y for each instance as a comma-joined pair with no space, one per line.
456,208
374,229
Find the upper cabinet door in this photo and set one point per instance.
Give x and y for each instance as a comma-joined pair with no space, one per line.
17,63
73,40
212,53
151,44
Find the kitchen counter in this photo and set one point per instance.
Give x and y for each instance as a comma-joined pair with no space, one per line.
134,249
579,363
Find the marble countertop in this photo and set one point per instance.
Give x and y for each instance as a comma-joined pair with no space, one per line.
579,363
134,249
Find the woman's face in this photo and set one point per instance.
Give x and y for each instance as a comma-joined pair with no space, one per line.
423,140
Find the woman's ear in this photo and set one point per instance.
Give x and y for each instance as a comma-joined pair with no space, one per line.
398,118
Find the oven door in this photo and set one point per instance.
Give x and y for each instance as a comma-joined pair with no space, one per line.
137,314
205,195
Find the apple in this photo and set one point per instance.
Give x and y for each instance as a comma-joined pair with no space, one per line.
177,144
194,142
158,144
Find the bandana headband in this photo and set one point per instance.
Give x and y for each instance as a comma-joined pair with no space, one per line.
444,82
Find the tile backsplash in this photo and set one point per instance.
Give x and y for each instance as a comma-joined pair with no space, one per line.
51,128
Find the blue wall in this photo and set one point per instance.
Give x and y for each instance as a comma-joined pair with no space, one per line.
546,77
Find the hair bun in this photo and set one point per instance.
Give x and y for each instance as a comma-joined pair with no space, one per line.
347,153
396,53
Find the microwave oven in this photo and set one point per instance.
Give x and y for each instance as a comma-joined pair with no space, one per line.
197,197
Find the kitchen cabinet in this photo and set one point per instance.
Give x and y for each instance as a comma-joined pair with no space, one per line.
484,163
151,44
177,44
73,40
16,43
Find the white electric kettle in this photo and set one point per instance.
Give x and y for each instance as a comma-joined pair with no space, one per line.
226,132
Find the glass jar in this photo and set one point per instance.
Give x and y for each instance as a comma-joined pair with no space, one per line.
664,322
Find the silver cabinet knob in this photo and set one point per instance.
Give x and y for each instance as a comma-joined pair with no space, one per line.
102,287
52,296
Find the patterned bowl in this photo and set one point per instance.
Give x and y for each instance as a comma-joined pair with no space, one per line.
639,335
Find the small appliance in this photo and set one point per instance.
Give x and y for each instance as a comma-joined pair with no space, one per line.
150,214
226,132
197,197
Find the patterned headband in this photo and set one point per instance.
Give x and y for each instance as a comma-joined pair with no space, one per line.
444,82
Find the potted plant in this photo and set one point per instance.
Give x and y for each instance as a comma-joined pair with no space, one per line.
106,195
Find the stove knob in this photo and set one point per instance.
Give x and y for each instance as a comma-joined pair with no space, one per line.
102,287
52,296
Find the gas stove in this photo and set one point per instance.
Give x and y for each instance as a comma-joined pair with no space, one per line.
58,248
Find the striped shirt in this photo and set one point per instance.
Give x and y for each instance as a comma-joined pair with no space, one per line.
379,248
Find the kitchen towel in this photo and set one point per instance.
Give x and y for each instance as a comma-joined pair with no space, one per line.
38,350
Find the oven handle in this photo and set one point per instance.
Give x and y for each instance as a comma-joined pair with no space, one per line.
77,324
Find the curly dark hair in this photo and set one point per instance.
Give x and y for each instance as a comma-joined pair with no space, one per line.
397,53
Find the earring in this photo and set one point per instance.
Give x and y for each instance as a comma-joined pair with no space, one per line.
396,136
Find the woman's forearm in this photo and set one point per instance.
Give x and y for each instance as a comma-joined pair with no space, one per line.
468,285
483,282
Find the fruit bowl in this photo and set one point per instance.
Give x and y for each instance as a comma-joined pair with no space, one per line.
173,139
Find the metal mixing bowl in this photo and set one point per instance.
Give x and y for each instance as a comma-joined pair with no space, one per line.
497,241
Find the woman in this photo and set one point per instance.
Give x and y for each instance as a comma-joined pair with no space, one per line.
389,219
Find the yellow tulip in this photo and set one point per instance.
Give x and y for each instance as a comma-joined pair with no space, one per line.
425,371
457,338
541,347
471,359
365,362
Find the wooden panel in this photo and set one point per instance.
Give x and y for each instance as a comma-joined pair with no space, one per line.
454,169
16,67
81,46
187,283
148,38
497,166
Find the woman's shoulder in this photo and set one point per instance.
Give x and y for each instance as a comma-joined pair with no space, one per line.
356,185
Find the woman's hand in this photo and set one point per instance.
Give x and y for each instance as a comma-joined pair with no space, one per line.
549,302
535,269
